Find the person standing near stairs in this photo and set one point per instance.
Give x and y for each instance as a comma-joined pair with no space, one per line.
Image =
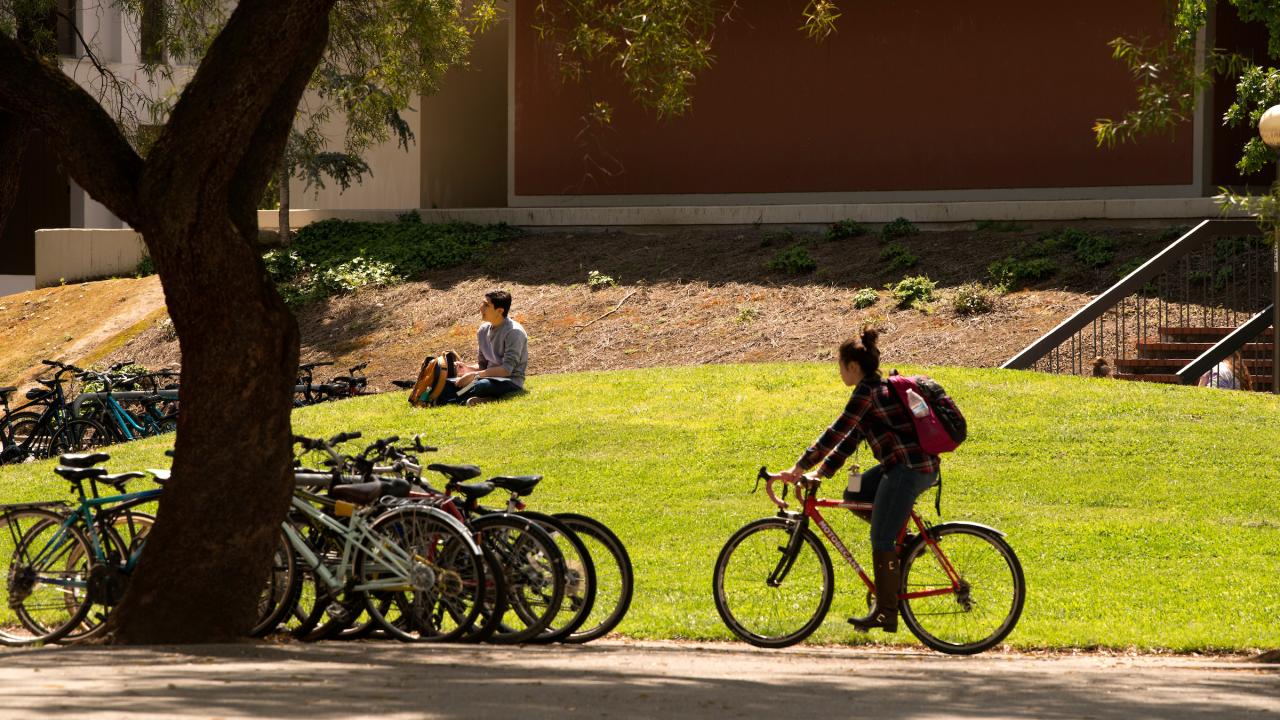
875,414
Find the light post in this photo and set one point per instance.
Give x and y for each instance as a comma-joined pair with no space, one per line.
1269,129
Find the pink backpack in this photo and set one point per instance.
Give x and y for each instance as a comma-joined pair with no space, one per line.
939,424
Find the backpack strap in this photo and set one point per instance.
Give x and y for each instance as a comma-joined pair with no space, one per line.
937,498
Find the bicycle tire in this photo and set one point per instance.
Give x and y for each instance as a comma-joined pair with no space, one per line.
280,588
495,601
79,435
126,532
45,595
444,555
29,437
534,571
20,422
765,615
580,579
615,579
990,603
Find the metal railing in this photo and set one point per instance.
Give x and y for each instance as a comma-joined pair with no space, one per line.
1218,274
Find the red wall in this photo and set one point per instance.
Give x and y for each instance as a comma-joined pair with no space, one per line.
915,95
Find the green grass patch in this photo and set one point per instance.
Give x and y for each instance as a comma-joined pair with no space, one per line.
1145,516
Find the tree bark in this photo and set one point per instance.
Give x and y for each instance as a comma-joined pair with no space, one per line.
194,200
15,132
282,180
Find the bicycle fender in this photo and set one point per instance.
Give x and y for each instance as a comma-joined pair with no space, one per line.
966,523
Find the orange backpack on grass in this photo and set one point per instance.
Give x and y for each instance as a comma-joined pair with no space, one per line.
431,383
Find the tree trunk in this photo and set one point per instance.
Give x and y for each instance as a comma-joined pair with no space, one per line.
14,135
194,200
282,179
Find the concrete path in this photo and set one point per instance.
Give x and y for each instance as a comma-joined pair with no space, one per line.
618,680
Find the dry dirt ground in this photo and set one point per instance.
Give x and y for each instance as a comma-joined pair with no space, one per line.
617,679
683,296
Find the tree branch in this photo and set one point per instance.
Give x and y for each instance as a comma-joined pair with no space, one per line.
238,95
86,139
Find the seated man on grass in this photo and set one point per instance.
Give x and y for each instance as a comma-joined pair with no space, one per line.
503,354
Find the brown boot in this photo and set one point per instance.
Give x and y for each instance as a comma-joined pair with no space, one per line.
884,613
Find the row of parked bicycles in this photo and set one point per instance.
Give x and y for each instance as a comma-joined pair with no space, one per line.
370,546
122,403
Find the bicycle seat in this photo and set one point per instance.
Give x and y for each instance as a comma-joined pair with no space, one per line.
38,394
368,492
83,460
455,473
78,474
519,484
119,479
475,491
4,391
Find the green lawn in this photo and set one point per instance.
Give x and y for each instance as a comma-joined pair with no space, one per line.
1145,516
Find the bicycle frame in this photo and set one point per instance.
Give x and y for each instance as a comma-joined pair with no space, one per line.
86,514
356,536
811,511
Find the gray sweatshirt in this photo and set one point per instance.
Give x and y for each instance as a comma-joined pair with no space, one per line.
504,344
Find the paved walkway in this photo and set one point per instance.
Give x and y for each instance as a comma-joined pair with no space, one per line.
619,680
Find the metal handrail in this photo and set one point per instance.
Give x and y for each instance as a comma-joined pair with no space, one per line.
1237,339
1193,239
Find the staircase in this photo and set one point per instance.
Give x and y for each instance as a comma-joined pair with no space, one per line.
1158,361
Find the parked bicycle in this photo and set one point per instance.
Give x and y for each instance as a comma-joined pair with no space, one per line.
35,429
962,584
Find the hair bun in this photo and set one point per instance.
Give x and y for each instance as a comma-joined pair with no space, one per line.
869,338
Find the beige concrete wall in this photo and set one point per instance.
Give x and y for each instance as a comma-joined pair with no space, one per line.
464,129
393,181
73,254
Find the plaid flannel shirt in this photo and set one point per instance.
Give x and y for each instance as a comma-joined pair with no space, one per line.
873,414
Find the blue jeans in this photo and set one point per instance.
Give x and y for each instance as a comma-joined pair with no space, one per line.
896,493
491,388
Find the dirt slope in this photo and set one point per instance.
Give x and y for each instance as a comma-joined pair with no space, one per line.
683,296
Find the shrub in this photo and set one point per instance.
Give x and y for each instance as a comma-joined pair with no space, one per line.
747,314
865,298
999,226
597,280
898,257
974,299
337,256
900,227
913,291
1173,233
776,238
1012,273
146,267
795,260
845,229
1094,250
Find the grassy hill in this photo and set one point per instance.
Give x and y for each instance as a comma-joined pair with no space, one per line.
1145,516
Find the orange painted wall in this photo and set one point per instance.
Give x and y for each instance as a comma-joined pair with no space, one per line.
912,95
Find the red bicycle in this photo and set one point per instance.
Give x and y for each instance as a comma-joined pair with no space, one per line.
962,585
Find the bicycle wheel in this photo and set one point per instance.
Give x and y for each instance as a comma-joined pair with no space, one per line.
445,587
495,600
27,437
579,579
280,591
534,571
46,572
988,603
768,593
125,534
614,578
79,435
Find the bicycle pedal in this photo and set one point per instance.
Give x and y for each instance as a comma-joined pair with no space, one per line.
863,630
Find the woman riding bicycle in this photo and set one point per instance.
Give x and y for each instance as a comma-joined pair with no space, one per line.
905,471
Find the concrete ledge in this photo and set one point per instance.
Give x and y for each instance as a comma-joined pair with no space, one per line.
927,212
71,254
